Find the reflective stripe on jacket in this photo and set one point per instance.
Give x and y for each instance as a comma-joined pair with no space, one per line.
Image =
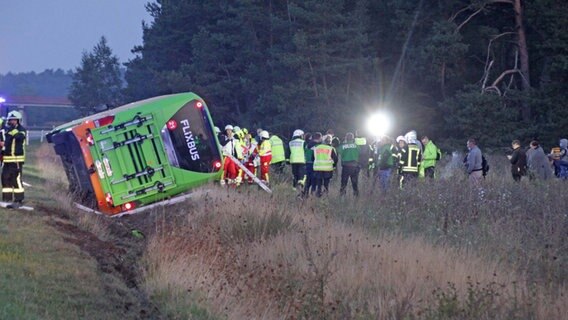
410,158
14,144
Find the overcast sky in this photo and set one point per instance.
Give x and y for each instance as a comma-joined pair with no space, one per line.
48,34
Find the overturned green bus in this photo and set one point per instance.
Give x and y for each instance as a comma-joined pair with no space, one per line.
120,160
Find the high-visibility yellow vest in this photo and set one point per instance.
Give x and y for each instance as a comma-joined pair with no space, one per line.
297,154
322,158
278,154
361,141
265,148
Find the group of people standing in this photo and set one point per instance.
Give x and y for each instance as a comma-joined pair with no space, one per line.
536,164
532,162
408,159
315,157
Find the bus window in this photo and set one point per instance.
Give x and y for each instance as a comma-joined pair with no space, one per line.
189,139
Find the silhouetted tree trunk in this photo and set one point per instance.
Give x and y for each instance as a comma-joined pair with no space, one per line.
523,56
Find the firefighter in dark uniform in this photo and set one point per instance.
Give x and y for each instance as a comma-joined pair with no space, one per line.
409,156
1,139
14,156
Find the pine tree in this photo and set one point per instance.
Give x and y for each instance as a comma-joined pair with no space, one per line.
97,81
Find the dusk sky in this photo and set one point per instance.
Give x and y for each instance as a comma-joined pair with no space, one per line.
48,34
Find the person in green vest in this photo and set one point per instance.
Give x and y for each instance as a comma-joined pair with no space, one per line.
298,159
325,161
278,162
349,155
430,156
386,162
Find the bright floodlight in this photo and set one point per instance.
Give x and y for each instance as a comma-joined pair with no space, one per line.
2,100
378,124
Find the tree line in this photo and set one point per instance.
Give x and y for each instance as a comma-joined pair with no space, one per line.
492,69
48,83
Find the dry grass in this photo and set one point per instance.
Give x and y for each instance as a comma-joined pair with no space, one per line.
251,256
431,251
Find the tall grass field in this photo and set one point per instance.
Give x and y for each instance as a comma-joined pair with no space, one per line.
438,249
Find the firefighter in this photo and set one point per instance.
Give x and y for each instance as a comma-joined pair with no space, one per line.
14,155
409,161
325,161
298,159
1,139
231,171
278,154
265,154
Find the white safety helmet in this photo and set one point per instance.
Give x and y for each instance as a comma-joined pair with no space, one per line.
228,127
216,129
399,139
326,139
236,129
298,133
264,134
411,137
14,115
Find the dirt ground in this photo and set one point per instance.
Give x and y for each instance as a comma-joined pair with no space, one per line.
117,257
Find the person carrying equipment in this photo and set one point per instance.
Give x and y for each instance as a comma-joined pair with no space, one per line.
231,172
250,155
265,153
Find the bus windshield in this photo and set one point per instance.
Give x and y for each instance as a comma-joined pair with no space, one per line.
189,139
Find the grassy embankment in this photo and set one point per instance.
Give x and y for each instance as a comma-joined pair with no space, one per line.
44,273
431,251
